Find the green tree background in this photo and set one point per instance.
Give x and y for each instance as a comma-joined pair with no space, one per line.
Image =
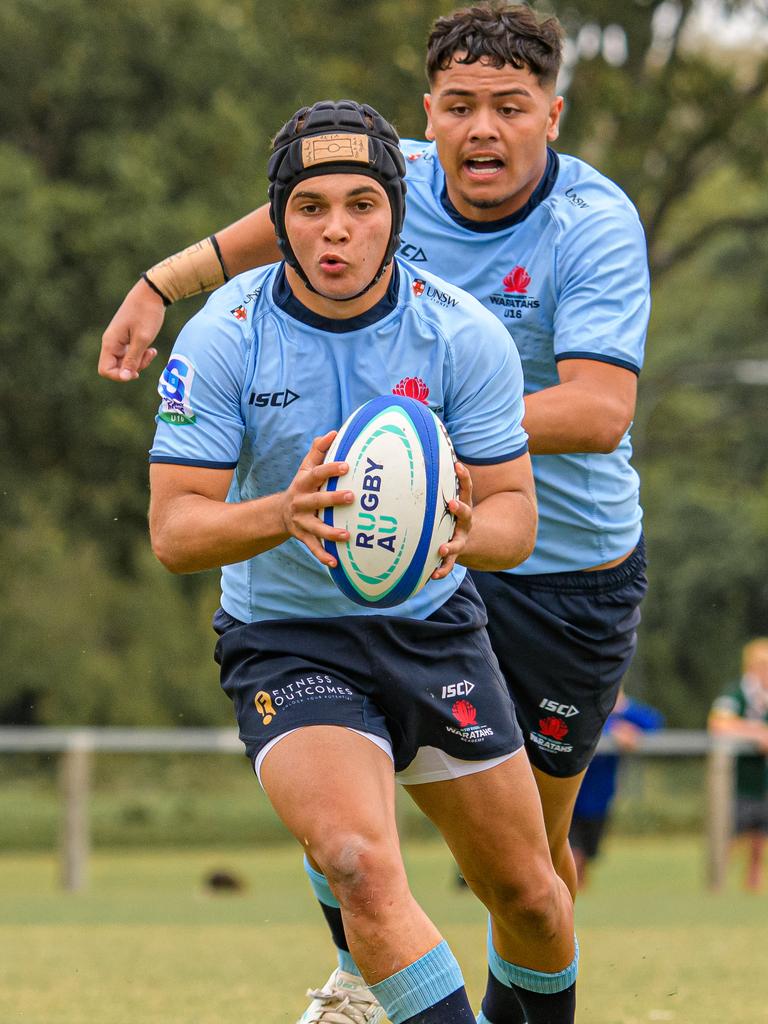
130,128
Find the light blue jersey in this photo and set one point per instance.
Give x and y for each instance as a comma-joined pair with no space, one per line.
255,376
568,277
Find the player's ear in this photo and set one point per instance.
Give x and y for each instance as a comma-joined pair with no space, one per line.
553,118
428,132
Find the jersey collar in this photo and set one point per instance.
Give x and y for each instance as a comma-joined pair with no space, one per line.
539,194
287,301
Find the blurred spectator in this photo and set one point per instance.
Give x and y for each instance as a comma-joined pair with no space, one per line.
628,720
742,712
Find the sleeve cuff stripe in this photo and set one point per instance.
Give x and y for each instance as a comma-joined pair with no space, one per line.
496,460
599,358
176,460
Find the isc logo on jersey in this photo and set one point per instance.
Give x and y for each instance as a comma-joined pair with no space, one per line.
402,475
174,388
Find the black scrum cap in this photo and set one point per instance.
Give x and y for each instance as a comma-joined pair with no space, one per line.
341,137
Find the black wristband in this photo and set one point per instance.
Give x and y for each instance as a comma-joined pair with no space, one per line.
214,242
166,301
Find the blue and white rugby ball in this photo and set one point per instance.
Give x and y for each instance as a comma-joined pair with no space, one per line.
402,475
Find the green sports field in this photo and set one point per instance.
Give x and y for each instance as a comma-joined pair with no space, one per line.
148,944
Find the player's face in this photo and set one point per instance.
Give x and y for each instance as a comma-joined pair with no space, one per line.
491,126
338,226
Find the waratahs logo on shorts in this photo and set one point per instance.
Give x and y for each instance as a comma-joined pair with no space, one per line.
552,731
469,731
517,281
464,713
412,387
515,299
175,388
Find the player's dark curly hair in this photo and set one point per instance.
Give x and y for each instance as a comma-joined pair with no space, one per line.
501,34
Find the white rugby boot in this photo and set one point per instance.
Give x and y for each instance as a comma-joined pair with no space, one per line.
343,999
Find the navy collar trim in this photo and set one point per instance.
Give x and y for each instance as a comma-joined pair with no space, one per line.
539,194
287,301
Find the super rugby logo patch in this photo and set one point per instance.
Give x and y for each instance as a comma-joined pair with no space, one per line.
175,388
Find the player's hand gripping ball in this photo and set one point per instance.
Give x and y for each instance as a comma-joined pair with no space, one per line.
401,471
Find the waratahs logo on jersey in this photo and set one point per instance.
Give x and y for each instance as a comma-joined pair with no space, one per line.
412,387
517,281
514,300
551,733
175,388
469,731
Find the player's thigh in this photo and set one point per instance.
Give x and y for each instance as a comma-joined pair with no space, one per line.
491,821
328,781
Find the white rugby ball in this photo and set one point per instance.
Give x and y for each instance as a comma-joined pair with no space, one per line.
401,471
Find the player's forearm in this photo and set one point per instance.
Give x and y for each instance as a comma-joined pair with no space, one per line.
570,417
194,533
503,532
249,242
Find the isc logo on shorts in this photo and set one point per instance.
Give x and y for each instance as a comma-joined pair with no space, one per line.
461,689
566,710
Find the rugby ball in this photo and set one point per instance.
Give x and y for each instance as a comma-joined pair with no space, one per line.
401,471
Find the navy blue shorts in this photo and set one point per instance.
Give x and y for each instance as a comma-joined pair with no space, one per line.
586,835
564,642
433,682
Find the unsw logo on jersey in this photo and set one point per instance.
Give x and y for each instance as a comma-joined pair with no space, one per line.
175,388
240,312
420,287
515,298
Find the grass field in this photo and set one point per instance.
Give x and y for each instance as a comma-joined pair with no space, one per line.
146,944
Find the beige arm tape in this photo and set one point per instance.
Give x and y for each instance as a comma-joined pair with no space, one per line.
198,268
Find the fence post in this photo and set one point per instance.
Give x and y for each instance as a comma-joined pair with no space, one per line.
75,826
719,810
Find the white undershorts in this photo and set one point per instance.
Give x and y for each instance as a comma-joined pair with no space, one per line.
430,764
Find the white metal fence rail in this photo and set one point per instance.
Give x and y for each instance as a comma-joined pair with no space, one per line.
77,747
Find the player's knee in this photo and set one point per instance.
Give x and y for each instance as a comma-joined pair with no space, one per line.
533,905
360,870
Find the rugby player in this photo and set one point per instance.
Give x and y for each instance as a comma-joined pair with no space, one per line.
334,700
556,252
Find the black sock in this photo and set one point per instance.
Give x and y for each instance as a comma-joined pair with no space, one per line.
455,1009
550,1007
500,1003
333,917
503,1004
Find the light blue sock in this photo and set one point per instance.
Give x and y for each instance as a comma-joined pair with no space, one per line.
535,981
425,982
